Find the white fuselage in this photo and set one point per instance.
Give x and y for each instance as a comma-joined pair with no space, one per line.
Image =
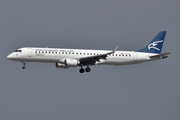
58,55
64,58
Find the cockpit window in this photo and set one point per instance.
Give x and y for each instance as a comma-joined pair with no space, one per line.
18,51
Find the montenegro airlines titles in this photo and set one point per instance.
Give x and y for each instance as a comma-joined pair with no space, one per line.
64,58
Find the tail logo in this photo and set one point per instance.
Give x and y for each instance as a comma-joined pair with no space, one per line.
152,45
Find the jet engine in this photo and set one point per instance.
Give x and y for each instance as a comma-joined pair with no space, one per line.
59,65
71,62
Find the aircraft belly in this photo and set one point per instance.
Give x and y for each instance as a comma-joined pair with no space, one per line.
119,61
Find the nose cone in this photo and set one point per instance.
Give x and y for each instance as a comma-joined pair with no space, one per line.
10,57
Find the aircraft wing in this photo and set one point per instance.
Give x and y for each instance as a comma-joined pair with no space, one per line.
96,57
163,55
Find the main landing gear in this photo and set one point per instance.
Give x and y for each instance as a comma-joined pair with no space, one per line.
23,67
82,70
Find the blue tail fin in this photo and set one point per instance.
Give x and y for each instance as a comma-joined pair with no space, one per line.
156,44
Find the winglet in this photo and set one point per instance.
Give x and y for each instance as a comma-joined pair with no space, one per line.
115,49
112,51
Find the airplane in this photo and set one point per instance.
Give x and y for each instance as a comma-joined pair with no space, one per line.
65,58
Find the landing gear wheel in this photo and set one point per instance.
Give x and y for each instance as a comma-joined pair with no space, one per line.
24,63
23,67
81,70
88,69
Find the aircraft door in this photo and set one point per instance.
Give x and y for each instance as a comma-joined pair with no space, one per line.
30,52
134,56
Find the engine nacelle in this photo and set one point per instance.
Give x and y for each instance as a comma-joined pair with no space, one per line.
59,65
70,62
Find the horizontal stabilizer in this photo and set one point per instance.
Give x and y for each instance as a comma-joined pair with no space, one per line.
162,56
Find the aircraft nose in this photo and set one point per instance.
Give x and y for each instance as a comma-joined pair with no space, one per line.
9,56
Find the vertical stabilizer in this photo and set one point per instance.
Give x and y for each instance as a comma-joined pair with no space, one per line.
155,46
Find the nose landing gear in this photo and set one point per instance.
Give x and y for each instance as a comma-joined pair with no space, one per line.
24,63
23,67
